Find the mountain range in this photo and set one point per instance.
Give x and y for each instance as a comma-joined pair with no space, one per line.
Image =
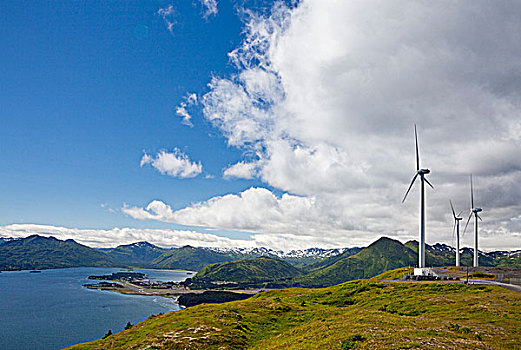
38,252
310,267
382,255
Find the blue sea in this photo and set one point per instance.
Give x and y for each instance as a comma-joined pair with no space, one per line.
52,309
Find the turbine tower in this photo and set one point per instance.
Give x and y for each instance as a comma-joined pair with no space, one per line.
457,219
474,211
421,173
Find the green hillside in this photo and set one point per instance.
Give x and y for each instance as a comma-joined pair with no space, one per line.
190,258
323,263
359,314
382,255
257,270
445,257
140,254
36,252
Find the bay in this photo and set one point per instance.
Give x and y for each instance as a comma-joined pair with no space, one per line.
52,309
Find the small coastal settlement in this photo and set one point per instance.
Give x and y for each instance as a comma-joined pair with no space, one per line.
139,284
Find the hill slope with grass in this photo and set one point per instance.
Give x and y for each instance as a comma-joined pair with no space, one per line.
37,252
190,258
139,254
382,255
257,270
359,314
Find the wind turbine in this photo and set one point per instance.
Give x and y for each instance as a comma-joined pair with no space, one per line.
457,219
474,211
421,173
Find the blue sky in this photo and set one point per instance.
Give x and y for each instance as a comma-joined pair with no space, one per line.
87,86
257,123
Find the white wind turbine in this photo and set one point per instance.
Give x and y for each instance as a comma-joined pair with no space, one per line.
421,173
474,211
457,219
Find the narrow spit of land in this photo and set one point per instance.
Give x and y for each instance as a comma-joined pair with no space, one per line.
138,284
126,287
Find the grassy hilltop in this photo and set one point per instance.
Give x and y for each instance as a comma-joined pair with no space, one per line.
362,314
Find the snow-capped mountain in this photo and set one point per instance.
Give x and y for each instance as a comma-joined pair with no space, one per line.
299,253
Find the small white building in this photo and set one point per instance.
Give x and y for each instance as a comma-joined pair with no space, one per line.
423,271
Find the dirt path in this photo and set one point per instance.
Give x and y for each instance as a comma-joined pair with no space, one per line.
513,287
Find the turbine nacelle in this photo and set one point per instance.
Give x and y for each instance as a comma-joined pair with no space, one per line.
477,210
423,171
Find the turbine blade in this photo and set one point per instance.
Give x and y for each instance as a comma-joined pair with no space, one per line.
471,193
480,219
461,212
428,183
452,207
467,223
410,186
417,151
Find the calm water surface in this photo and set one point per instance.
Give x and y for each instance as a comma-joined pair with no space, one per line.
52,309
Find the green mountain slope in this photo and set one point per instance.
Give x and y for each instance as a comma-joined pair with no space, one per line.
354,315
323,263
444,255
36,252
190,258
257,270
136,254
382,255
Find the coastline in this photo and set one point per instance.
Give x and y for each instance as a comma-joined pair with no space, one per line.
130,288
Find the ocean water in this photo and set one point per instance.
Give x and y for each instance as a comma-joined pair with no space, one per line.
52,309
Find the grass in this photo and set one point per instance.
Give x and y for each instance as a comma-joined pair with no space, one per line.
396,274
362,314
483,275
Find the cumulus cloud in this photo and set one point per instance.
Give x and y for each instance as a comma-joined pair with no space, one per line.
326,93
175,164
240,170
255,210
181,111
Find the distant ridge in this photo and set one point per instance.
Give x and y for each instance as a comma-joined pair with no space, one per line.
37,252
139,254
190,258
319,266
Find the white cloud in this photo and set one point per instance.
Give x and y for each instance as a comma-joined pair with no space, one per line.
210,8
255,209
167,238
326,95
240,170
175,164
168,13
181,111
118,236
